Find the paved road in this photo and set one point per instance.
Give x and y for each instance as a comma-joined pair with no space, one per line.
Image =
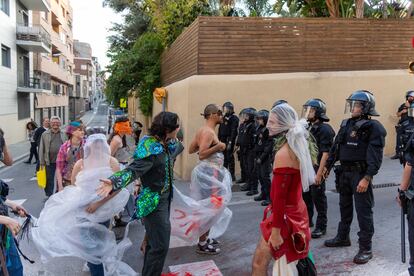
239,242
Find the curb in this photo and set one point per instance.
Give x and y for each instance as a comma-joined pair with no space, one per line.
15,160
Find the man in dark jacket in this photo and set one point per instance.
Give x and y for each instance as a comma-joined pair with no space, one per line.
227,134
246,143
38,134
263,148
314,110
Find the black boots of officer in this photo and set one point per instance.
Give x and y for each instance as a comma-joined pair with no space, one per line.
362,257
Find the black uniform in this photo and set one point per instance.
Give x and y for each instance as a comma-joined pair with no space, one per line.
227,134
410,205
263,147
246,143
404,117
324,135
406,129
359,148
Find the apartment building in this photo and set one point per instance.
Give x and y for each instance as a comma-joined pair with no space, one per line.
20,40
55,68
84,67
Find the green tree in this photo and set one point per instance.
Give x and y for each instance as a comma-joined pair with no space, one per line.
258,8
170,17
136,71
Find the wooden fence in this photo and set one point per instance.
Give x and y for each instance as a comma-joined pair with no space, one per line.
229,45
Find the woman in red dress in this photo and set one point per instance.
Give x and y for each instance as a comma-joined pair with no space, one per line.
285,234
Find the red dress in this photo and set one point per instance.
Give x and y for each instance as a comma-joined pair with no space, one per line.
289,214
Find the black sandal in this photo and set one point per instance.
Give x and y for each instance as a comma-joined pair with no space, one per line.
213,242
207,249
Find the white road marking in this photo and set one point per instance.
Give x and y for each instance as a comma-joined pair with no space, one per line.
33,178
8,180
205,268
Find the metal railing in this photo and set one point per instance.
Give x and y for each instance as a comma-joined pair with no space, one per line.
27,81
34,33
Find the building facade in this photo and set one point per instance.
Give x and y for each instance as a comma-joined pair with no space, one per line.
55,68
20,39
84,71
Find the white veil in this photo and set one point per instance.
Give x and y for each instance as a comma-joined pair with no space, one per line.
96,152
283,118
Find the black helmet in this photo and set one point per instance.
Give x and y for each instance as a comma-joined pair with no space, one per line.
320,109
243,111
366,98
409,94
263,114
250,113
278,102
229,106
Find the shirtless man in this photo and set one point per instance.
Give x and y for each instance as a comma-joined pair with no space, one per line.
206,143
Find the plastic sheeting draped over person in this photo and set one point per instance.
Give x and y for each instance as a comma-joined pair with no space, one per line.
64,228
283,119
206,207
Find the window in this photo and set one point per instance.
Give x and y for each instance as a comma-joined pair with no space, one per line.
44,15
5,56
5,6
83,67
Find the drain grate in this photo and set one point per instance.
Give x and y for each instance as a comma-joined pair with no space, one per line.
385,185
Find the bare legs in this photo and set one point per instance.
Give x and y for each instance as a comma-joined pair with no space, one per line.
261,259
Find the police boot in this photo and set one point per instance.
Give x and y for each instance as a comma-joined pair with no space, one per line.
363,256
260,197
338,242
252,192
245,187
265,202
318,232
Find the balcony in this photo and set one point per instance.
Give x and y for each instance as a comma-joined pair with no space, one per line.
28,84
37,5
33,39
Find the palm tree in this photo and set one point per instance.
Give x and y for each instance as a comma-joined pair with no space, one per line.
359,8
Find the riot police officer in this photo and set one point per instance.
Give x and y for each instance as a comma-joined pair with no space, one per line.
242,126
359,148
404,127
246,144
406,193
314,110
227,134
263,147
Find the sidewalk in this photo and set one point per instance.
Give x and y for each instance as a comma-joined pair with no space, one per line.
21,150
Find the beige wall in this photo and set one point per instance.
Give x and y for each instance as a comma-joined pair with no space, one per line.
189,97
14,129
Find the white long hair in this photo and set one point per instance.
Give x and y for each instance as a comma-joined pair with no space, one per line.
283,118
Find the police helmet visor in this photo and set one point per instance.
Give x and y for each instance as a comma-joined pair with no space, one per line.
308,112
352,106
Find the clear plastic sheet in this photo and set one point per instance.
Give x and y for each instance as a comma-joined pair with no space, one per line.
64,228
206,207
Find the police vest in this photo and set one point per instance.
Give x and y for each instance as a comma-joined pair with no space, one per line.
354,139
